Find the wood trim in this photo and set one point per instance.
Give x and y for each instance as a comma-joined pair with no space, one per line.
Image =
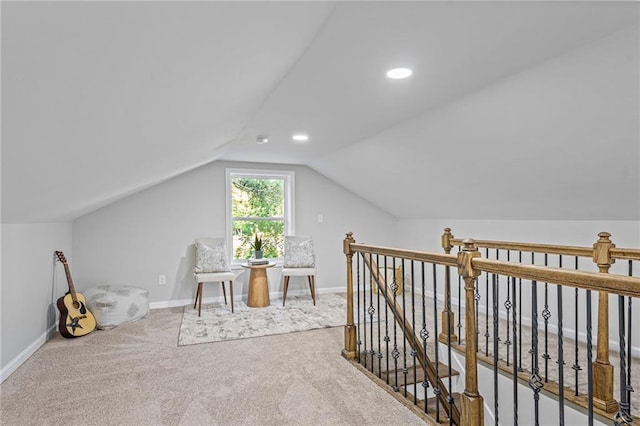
616,253
420,256
597,281
529,247
625,253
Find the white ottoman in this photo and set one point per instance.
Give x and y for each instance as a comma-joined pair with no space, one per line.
112,306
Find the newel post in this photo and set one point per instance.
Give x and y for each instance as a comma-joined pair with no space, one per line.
349,351
472,402
448,318
602,369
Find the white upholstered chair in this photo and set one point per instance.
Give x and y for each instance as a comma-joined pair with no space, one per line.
212,265
299,261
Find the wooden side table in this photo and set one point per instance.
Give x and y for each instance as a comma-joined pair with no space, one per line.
258,285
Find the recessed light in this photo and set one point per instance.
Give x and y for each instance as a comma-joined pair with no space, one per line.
262,140
300,137
399,73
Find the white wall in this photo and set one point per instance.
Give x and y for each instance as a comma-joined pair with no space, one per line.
134,240
31,282
558,141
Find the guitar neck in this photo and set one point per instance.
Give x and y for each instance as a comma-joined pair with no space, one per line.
72,289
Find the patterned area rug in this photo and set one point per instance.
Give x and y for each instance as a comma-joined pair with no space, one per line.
217,323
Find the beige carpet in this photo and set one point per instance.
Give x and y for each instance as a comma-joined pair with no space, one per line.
135,374
217,323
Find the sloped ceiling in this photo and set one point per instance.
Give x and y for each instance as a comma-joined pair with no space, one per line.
100,100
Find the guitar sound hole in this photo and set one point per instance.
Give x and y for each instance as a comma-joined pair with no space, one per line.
76,305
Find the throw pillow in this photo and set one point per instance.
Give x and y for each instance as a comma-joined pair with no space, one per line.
211,259
298,255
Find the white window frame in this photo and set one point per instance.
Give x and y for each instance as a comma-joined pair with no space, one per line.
289,190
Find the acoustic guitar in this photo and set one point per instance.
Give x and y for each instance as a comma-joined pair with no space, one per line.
75,318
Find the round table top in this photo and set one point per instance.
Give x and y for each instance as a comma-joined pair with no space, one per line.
261,265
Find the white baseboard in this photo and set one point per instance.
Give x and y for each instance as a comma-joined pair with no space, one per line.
26,353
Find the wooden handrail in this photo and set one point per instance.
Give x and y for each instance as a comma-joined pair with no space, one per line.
529,247
420,256
625,253
615,253
618,284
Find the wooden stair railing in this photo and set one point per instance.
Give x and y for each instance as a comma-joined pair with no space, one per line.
470,409
409,333
604,254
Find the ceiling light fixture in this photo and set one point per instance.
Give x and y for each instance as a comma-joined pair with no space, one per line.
399,73
262,140
300,137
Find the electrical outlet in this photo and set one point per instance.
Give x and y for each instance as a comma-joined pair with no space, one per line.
320,218
162,280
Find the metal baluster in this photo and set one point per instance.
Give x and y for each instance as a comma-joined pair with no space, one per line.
520,318
497,285
515,354
359,342
560,358
424,334
460,298
387,339
622,417
395,353
576,365
589,360
546,314
629,358
535,383
371,310
436,385
396,287
379,326
486,312
414,353
365,352
495,346
507,306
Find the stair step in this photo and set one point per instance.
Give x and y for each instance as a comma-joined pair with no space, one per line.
443,372
431,406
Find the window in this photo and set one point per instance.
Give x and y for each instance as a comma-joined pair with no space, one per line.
259,202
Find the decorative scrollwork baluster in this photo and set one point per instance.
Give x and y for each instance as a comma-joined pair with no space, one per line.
507,306
424,335
535,382
576,365
546,314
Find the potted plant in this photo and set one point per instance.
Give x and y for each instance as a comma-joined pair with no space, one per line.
257,246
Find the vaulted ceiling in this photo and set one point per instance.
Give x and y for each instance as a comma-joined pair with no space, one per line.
103,99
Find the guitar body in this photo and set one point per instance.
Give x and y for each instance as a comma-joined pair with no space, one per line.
75,318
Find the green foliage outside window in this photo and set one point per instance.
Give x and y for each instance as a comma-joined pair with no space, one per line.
258,207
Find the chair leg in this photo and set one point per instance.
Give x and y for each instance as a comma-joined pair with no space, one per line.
224,293
231,291
199,298
284,290
195,303
312,286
